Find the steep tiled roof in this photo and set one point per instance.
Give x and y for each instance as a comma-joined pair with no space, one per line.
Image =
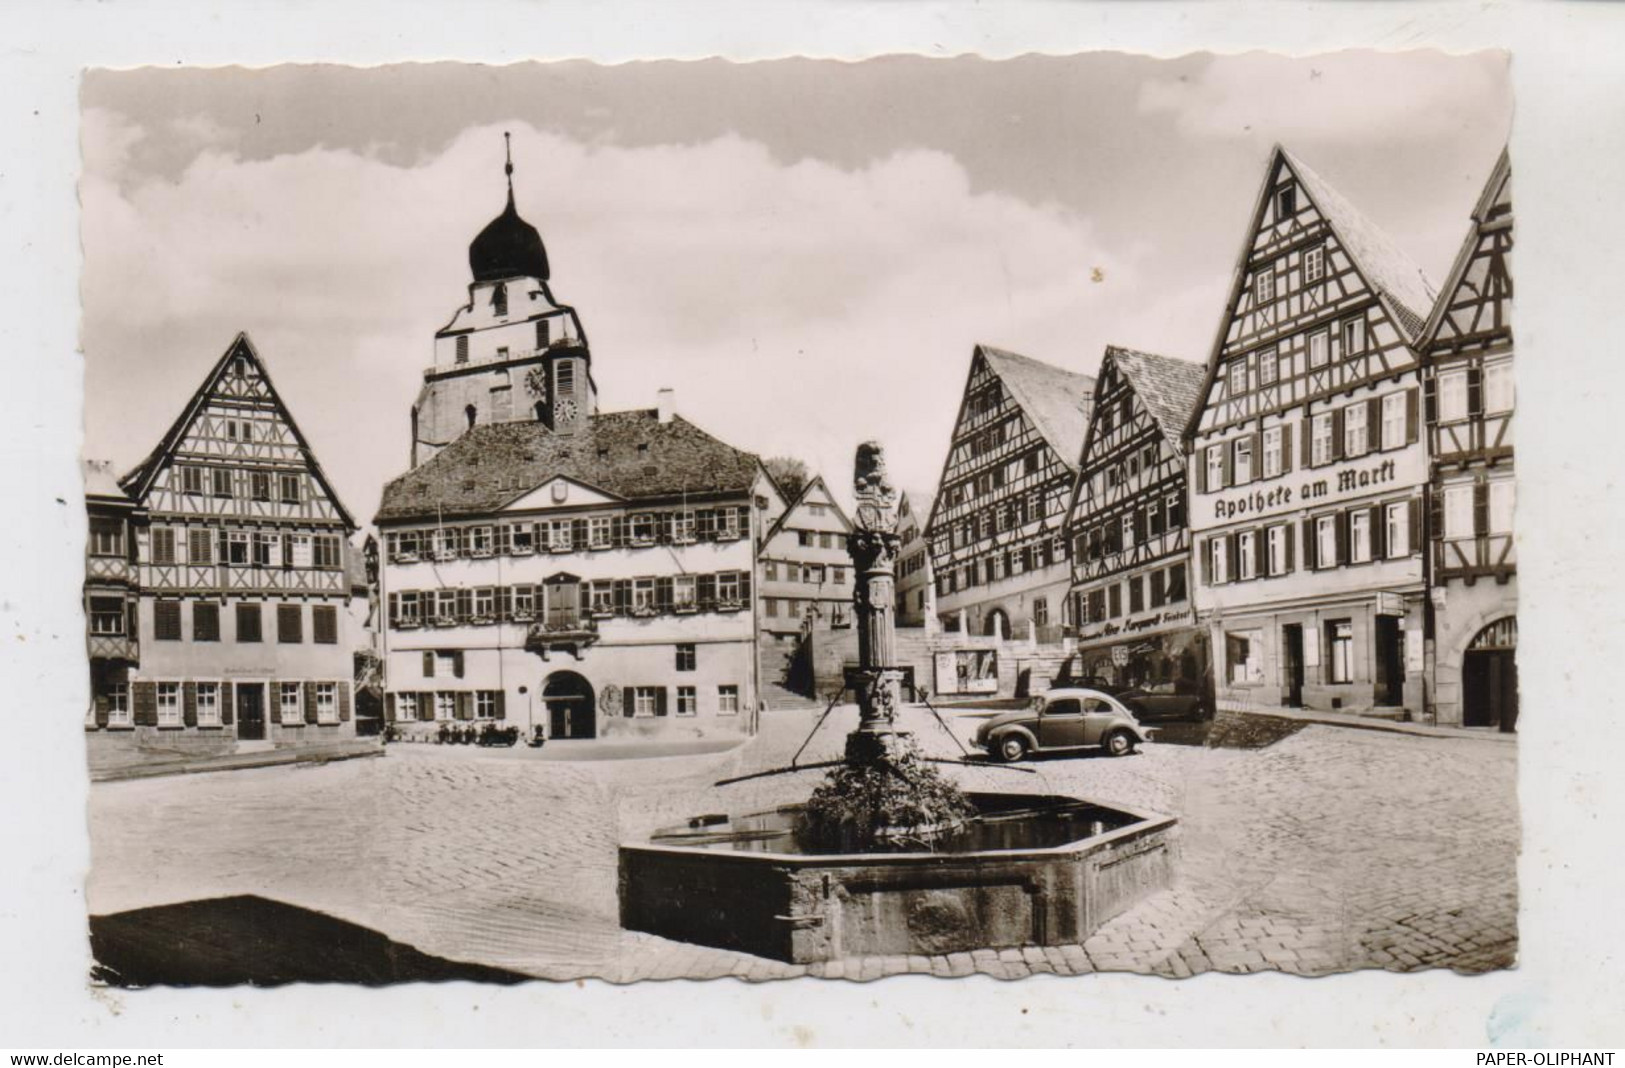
1395,276
494,464
1056,400
1170,389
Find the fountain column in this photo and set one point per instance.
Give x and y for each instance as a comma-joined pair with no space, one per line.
874,546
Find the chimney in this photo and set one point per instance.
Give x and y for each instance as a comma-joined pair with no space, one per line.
667,405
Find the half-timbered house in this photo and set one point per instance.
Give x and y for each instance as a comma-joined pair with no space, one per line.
1308,462
242,572
998,554
805,571
916,593
1469,405
111,597
1129,531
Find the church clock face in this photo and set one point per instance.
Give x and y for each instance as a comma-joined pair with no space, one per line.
536,383
565,410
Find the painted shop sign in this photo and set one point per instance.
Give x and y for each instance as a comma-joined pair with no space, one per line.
1312,488
1132,625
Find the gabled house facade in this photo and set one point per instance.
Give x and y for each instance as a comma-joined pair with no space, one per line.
916,591
1308,464
806,573
1470,405
239,570
998,554
1129,529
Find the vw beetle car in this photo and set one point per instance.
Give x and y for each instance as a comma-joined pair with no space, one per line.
1064,719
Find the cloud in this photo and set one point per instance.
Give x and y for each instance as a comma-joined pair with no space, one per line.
796,307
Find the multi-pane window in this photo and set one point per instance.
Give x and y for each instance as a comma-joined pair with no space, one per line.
289,485
1126,527
688,702
445,705
221,478
267,547
208,704
728,587
166,621
106,537
1314,263
485,602
682,591
290,624
118,704
1360,536
1393,420
1320,439
1243,459
1397,516
1272,452
1458,512
446,606
1319,348
1268,369
643,595
107,615
324,623
259,485
248,623
1040,611
327,702
326,550
1452,396
1498,387
237,542
290,703
645,700
1340,651
522,538
1244,656
479,541
1218,561
485,704
1246,555
1236,375
686,656
169,704
205,621
1501,506
728,700
296,550
1326,541
1264,284
1353,337
1215,467
192,480
1275,548
1355,438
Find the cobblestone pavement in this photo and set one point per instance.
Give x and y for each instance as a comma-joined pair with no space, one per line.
1330,850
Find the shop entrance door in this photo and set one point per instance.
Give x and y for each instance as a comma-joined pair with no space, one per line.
1489,677
1292,655
251,711
1390,662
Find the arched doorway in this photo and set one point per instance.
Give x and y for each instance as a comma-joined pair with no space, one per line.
1489,677
997,624
571,711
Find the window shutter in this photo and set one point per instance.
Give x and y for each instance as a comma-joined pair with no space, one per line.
1475,391
1139,525
226,693
628,701
1258,456
1308,442
465,605
1411,428
1430,400
1379,532
1481,509
103,709
660,701
744,586
1231,557
1341,526
462,711
1228,468
457,663
145,698
1286,447
1373,424
394,609
428,665
1200,458
617,531
1288,541
501,710
1337,433
310,702
1261,551
1311,558
1415,522
189,703
344,702
1207,562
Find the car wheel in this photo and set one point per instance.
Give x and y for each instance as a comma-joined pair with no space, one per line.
1119,743
1011,748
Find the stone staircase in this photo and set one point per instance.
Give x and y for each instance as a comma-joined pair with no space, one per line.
774,660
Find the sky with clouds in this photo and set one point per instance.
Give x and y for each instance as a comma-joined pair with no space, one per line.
805,250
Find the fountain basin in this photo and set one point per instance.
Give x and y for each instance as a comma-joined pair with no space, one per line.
1028,870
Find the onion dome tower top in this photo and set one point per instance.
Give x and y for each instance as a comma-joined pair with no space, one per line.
508,247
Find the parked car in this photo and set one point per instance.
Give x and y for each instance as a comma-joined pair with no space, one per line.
1181,699
1063,719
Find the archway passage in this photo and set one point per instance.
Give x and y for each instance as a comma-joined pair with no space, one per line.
571,711
997,624
1489,677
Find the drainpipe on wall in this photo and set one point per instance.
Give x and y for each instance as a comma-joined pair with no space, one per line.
1430,710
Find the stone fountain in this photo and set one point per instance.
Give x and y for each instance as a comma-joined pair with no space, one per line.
887,855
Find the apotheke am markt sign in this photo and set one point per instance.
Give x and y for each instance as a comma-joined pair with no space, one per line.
1314,488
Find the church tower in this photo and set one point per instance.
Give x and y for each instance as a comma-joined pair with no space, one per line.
511,354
